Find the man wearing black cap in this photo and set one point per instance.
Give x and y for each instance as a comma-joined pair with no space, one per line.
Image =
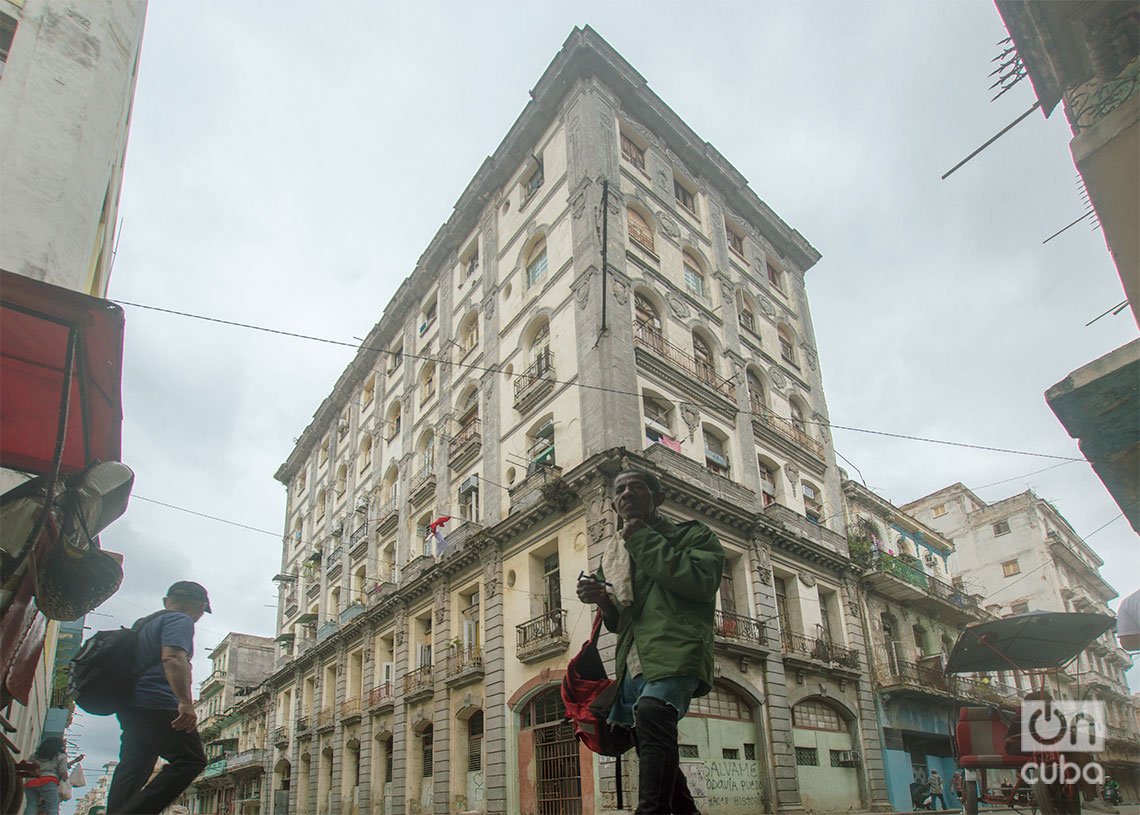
160,718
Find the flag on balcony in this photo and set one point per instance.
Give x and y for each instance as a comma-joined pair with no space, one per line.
435,539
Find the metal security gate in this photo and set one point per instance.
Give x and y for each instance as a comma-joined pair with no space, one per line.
559,770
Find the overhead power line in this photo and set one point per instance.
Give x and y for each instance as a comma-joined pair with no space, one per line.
618,391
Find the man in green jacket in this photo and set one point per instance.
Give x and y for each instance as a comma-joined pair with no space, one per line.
660,598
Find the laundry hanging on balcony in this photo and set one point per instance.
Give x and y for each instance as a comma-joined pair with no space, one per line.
434,542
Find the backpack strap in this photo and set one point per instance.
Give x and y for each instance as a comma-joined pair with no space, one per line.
597,628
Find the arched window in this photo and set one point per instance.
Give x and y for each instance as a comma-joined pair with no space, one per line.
391,484
322,499
536,264
813,503
768,472
300,483
469,332
702,354
722,703
787,346
341,483
364,459
426,451
746,312
645,313
756,401
640,232
815,714
427,382
694,277
469,408
540,441
798,417
393,421
716,452
775,276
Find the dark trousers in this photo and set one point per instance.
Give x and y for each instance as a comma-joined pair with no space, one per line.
146,736
661,786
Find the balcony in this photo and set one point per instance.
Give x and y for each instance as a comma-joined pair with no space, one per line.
350,710
304,724
911,678
312,589
801,526
381,697
423,484
326,718
388,517
358,540
464,665
290,603
767,423
217,677
1094,583
798,646
739,635
327,629
533,384
903,580
246,760
419,684
660,350
214,768
353,611
542,637
465,446
987,690
280,737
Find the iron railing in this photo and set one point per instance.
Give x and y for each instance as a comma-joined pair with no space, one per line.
380,694
789,431
541,631
647,336
898,672
738,628
419,680
539,373
350,708
281,735
820,649
326,717
463,659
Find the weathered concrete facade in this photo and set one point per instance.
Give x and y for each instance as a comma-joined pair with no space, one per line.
506,383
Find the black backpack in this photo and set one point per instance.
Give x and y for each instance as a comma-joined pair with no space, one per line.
102,675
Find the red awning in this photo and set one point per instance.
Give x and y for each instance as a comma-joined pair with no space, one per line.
36,322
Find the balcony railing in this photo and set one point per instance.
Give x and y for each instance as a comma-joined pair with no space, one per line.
304,724
465,444
216,676
290,603
280,736
649,337
214,768
464,661
419,681
358,534
895,672
327,629
985,690
736,628
543,636
423,484
247,758
907,570
326,718
351,612
795,644
783,427
350,709
536,381
380,695
388,516
313,589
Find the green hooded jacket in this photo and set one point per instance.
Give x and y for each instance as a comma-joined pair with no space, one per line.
676,571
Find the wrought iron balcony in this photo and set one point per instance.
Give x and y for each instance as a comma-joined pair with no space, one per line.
381,696
984,689
214,768
358,540
765,419
464,665
327,629
304,724
247,759
648,337
423,484
290,603
911,677
739,630
280,737
419,683
544,636
388,516
313,589
794,644
535,382
350,613
465,445
904,580
350,709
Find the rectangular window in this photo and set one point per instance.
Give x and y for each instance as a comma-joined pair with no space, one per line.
688,751
775,277
534,181
1020,607
750,752
632,153
396,359
7,35
1001,528
938,511
807,757
472,265
1010,568
684,197
730,753
427,743
552,582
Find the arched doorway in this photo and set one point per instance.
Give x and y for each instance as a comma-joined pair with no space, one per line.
825,760
550,770
282,778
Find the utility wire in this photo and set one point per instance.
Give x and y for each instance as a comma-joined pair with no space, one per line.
601,388
204,515
1025,475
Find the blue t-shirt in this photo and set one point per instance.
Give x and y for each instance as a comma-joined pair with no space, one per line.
151,688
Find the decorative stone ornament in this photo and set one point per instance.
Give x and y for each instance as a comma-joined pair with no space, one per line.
692,418
677,305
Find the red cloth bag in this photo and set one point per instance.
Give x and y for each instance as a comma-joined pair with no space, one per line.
588,695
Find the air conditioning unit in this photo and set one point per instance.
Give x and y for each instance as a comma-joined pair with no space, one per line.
469,485
847,758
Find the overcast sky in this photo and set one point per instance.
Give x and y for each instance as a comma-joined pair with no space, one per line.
288,164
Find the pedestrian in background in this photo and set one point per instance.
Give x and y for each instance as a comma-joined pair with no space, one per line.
51,767
936,790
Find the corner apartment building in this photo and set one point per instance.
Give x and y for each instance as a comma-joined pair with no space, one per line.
914,610
607,292
67,81
1024,556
